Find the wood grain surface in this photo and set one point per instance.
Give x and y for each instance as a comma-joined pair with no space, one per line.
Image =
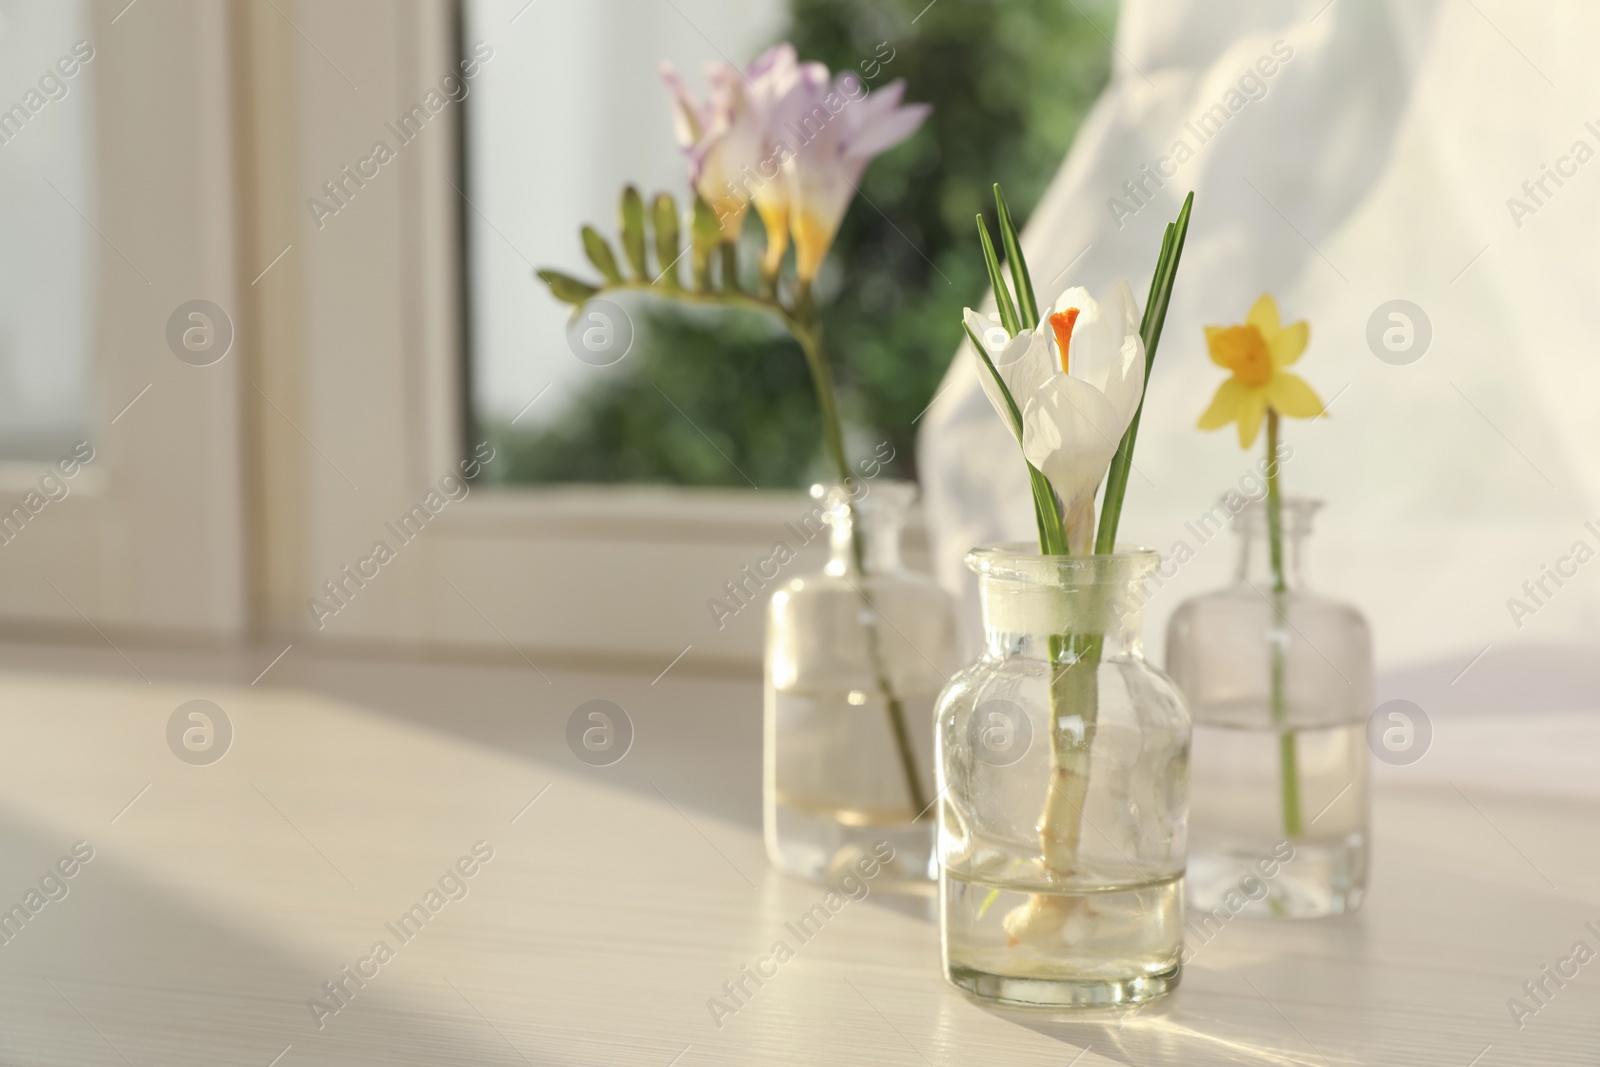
619,899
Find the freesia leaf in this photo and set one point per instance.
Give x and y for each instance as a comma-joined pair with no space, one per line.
704,236
1002,295
633,240
599,253
1027,304
565,288
1155,316
667,244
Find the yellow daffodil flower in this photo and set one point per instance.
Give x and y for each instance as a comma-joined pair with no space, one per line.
1257,353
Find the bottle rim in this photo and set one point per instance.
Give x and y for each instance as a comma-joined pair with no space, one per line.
1299,512
872,496
1021,561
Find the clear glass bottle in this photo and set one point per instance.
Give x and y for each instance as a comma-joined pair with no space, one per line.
1063,770
1280,684
855,657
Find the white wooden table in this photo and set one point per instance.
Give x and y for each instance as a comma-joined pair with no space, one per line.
220,898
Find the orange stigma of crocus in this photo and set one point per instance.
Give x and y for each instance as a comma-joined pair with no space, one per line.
1062,324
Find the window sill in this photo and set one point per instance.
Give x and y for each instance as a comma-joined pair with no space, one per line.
571,573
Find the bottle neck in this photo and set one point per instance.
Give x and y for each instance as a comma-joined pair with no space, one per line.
877,548
1060,649
1059,623
1256,564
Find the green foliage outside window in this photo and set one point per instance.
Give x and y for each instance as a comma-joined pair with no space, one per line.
723,399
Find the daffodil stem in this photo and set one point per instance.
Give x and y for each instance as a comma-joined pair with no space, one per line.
1287,756
808,332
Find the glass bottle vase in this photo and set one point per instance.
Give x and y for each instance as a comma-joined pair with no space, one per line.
1279,681
855,657
1063,774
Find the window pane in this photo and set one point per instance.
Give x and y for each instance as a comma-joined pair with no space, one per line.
46,257
571,108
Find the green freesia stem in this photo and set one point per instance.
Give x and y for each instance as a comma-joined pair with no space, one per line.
800,319
1287,755
808,332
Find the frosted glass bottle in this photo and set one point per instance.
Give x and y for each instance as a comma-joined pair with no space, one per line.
1280,686
855,657
1063,763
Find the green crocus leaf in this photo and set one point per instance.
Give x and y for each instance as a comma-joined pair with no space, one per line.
997,281
1027,305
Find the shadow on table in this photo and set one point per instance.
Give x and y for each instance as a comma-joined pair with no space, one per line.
696,741
1162,1033
119,967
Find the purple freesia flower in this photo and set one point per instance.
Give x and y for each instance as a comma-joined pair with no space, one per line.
725,138
792,140
836,129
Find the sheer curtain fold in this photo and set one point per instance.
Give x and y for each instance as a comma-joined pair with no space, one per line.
1344,156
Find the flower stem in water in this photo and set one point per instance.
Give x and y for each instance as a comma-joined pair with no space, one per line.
810,338
1287,756
1074,693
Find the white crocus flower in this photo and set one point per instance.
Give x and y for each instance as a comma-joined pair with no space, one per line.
1077,380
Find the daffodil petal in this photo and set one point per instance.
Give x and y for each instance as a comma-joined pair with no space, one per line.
1264,315
1252,408
1288,343
1224,406
1290,395
1213,340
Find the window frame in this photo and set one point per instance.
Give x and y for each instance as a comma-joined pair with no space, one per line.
547,575
150,538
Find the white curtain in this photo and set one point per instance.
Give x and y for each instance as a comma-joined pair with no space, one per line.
1377,161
